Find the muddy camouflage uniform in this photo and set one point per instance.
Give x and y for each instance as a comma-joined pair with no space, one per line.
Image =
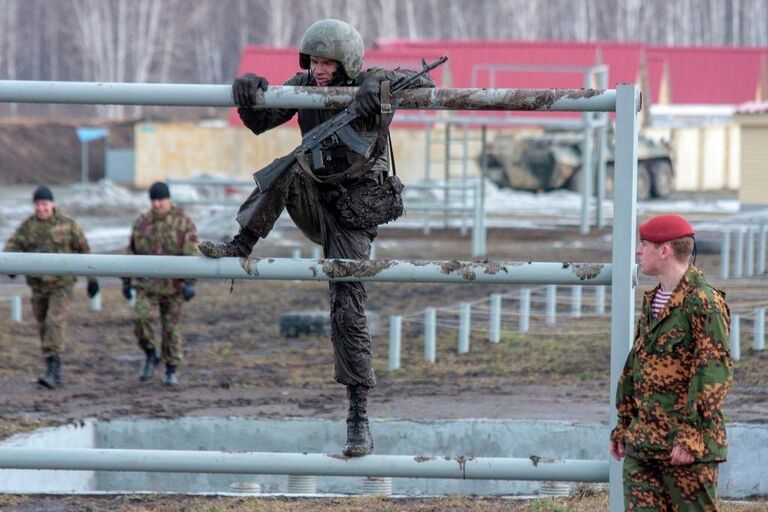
311,205
671,392
171,234
51,295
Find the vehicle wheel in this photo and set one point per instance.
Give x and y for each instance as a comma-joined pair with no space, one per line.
643,183
663,179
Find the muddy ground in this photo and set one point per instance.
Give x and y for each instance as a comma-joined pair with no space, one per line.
237,363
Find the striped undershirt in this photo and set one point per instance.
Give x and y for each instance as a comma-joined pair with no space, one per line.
660,300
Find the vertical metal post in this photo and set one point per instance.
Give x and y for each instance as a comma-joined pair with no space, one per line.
464,177
395,333
624,239
296,253
599,300
738,265
483,175
725,255
576,301
750,251
373,251
430,338
16,311
317,253
465,312
587,176
758,332
427,150
447,173
601,136
761,249
525,310
84,162
477,225
735,337
96,302
551,315
494,324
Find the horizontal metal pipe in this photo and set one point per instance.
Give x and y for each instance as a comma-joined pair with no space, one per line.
252,463
204,95
191,267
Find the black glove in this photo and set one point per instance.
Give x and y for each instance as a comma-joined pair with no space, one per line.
127,289
12,276
93,288
369,95
245,89
188,291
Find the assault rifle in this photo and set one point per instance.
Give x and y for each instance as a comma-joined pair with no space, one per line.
335,129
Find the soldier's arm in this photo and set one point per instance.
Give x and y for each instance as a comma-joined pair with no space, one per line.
259,120
79,244
625,402
711,375
189,247
16,243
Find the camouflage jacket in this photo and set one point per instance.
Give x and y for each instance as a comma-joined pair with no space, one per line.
171,234
339,157
58,234
677,374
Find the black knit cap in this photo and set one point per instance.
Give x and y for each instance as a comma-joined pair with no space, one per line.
42,193
159,190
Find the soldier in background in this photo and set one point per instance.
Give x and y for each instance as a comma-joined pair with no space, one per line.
331,54
49,231
670,395
164,230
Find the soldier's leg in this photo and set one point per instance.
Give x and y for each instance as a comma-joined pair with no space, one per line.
142,322
256,217
56,321
39,303
644,489
170,314
692,487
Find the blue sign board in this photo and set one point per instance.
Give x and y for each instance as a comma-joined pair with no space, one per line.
87,134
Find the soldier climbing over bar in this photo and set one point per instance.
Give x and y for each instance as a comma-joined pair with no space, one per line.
337,197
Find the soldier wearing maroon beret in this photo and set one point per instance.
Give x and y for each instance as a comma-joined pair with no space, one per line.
669,398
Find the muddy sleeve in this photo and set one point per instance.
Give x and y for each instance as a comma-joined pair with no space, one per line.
711,377
259,120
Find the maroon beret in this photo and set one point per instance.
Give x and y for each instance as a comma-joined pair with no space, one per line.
664,228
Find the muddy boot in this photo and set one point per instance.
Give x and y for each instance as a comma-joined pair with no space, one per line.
359,438
150,363
239,247
171,379
52,377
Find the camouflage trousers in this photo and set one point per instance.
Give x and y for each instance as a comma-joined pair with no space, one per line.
50,307
652,485
170,314
317,218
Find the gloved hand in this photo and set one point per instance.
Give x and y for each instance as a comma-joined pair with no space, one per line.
246,88
369,95
127,289
93,288
188,291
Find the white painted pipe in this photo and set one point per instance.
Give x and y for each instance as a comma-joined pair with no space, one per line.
551,316
735,337
395,335
576,301
758,336
494,323
525,310
430,335
465,321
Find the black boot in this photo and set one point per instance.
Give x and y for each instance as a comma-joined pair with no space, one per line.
170,376
359,438
52,377
150,363
239,247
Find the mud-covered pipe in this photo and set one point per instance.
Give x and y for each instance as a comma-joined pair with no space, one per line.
402,466
198,267
202,95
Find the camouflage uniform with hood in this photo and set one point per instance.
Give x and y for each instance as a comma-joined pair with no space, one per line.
312,205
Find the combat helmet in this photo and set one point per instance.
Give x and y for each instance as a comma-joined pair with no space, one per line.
336,40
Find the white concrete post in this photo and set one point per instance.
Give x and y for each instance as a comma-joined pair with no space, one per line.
600,300
16,310
525,310
758,336
317,253
494,326
761,249
735,337
576,301
551,314
395,333
750,251
465,312
430,338
725,255
738,264
296,253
